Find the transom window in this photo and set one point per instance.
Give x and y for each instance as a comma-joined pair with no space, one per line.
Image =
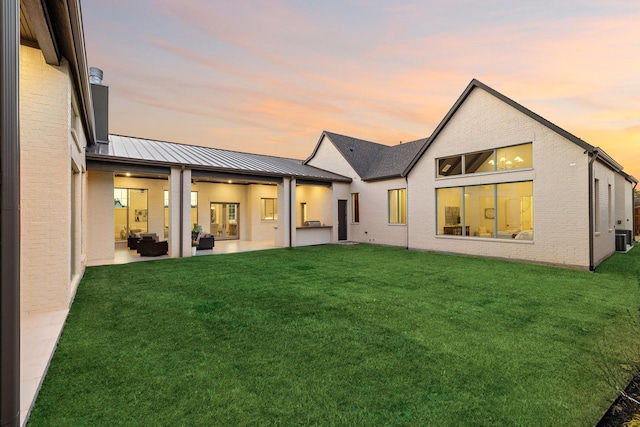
499,159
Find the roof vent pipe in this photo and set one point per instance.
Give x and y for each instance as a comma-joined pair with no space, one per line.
95,75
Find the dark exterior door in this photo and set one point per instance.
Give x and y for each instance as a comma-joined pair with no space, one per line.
342,220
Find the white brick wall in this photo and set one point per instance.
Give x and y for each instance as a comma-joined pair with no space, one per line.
100,216
328,157
374,224
624,203
47,148
604,238
559,175
256,229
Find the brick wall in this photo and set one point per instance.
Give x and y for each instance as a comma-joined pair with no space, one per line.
559,175
100,244
48,280
604,235
374,224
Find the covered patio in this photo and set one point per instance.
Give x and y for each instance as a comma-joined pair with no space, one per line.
245,201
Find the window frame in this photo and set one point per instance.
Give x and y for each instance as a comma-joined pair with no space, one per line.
494,213
355,208
263,209
496,163
401,213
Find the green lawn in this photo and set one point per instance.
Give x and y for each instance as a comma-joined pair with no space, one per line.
342,335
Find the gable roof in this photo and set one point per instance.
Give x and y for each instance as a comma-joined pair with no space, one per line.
126,149
372,160
477,84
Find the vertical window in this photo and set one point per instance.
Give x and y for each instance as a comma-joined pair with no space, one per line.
194,208
130,211
303,213
449,202
269,209
166,213
596,210
479,210
232,211
515,210
398,206
355,207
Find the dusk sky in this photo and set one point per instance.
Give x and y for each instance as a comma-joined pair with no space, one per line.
269,76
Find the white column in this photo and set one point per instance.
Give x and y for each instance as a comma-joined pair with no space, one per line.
186,213
180,191
174,213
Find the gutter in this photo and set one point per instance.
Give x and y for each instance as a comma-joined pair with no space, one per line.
10,213
594,155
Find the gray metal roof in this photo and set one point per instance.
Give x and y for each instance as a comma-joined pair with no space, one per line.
371,160
128,149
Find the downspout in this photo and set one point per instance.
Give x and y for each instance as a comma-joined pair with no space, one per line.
291,189
633,213
10,213
406,180
181,211
594,156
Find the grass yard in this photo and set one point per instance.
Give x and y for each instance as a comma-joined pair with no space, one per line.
342,335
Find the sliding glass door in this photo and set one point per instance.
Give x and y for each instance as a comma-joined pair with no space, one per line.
225,220
130,211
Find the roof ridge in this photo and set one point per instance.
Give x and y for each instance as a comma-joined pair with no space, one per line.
357,139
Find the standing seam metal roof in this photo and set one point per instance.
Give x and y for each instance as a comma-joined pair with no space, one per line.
126,148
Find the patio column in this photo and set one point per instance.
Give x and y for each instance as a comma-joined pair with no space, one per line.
180,212
186,213
285,234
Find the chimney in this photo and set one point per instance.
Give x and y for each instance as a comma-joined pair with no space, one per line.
100,95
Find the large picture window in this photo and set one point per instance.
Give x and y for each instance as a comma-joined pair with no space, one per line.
269,209
355,207
502,211
398,206
500,159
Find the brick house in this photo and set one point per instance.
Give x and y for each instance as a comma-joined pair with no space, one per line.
494,179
